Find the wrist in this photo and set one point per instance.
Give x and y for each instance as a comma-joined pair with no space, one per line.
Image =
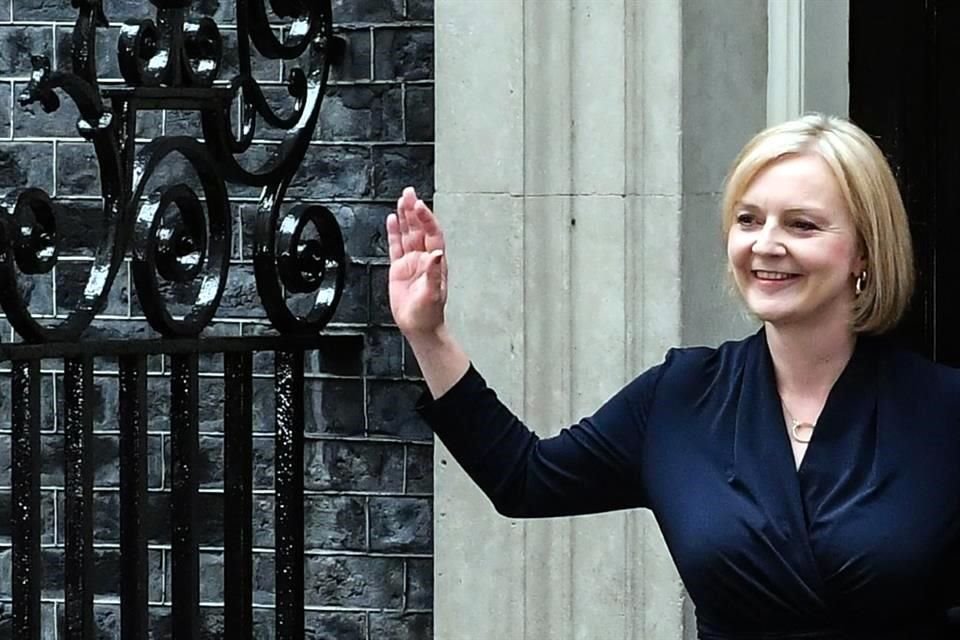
428,340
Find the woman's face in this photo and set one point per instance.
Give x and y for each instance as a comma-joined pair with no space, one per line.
792,248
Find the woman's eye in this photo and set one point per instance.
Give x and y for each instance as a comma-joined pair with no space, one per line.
746,219
804,225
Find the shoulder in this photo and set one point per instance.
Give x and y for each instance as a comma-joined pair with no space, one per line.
687,373
709,362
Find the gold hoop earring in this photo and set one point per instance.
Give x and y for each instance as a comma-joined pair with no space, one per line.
860,283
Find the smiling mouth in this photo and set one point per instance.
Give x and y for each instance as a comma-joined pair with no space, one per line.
774,275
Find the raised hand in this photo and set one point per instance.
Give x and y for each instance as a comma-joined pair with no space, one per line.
418,268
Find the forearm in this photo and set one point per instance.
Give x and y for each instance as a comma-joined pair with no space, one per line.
442,361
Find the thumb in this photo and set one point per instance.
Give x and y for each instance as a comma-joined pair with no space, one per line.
433,269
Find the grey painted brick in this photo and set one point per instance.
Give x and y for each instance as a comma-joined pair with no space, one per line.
356,62
47,535
420,9
411,368
384,349
106,572
390,410
25,164
347,11
408,626
81,229
333,407
398,167
353,466
340,363
418,110
358,113
208,470
379,300
420,469
156,520
37,292
364,229
6,106
419,583
106,55
264,69
43,10
71,279
401,524
263,515
353,581
222,10
264,418
77,169
334,523
240,297
334,626
355,303
18,44
106,622
210,410
333,172
403,54
181,123
263,453
211,572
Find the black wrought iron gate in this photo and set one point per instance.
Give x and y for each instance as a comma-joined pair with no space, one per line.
177,242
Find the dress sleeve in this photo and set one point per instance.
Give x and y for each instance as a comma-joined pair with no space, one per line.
590,467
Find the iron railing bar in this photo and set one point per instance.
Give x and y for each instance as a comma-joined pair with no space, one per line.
288,480
78,499
134,569
25,474
184,444
327,343
238,495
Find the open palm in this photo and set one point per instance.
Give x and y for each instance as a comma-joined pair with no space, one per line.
418,269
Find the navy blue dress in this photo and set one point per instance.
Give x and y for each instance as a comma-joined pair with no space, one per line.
860,542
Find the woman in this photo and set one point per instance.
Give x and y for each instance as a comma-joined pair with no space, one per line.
806,479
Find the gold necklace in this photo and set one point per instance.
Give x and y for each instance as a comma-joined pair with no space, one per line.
796,426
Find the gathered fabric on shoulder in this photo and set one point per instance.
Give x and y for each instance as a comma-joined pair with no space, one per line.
861,540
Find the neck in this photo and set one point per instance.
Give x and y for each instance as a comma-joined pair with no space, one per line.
808,360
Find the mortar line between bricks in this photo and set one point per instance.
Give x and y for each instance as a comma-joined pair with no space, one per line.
315,552
320,493
53,172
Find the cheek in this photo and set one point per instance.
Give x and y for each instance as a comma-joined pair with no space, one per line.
738,251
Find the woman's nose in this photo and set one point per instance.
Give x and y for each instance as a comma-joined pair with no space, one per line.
768,242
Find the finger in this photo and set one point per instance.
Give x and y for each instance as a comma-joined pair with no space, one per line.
403,224
432,233
443,276
434,272
415,241
409,197
393,237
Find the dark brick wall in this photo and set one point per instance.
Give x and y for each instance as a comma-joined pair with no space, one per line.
368,462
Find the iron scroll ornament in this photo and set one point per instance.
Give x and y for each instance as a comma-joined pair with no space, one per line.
174,234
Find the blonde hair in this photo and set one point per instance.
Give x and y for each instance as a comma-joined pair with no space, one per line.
872,198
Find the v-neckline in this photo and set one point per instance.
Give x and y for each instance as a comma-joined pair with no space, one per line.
823,420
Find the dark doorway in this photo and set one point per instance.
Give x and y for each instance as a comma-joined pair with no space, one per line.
904,92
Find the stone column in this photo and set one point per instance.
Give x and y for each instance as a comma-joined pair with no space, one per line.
581,145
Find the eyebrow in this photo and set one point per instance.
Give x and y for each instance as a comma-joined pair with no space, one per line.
810,210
